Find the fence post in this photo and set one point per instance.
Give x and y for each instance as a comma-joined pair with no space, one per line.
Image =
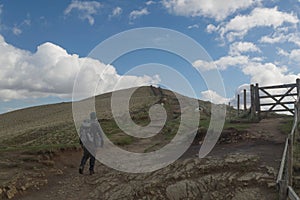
245,100
238,105
229,104
298,88
253,109
257,101
283,187
290,161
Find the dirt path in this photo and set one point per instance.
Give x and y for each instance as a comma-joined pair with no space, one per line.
266,141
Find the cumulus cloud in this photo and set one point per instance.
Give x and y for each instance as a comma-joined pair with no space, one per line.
117,11
214,97
216,9
193,26
282,52
295,55
138,13
222,63
51,71
148,3
86,9
281,37
269,74
16,30
240,25
238,48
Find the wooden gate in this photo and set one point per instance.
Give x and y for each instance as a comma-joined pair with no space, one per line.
260,94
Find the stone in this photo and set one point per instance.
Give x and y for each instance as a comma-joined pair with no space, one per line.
11,192
49,163
272,185
185,189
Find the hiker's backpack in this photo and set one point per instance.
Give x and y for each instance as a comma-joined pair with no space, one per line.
89,134
86,135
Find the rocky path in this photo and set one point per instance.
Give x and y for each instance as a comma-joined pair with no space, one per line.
237,171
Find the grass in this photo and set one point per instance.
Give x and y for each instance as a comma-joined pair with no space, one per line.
39,147
286,126
121,139
51,126
238,126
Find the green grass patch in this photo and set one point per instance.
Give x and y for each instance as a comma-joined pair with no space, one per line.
286,126
238,126
121,139
39,147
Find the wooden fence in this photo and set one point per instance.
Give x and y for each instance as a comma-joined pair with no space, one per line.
258,94
285,174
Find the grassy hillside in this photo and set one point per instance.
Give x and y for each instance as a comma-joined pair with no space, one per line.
52,125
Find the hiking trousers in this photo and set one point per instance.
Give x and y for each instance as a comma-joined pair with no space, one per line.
87,155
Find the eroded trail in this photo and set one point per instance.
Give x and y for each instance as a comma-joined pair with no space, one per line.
241,170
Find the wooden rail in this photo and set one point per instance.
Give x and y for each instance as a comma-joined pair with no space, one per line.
285,174
277,101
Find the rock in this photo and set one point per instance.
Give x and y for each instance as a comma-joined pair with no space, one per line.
59,172
185,189
272,185
11,192
238,158
271,170
48,162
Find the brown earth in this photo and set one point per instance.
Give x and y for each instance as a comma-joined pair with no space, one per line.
243,168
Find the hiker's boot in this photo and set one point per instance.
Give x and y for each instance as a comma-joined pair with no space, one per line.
81,170
92,172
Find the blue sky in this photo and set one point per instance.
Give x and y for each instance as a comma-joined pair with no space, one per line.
43,44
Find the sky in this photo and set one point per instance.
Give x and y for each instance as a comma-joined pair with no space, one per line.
45,44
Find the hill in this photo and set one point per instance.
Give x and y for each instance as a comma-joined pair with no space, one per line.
40,154
52,125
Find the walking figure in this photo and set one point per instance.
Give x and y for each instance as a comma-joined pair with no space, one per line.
90,139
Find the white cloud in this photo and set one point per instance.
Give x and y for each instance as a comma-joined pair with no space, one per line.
138,13
295,55
222,63
238,48
216,9
211,28
148,3
278,38
16,30
193,26
51,71
269,74
117,11
86,9
282,52
281,37
213,97
239,26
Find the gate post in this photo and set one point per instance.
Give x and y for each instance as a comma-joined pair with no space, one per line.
253,109
298,88
245,100
257,101
238,105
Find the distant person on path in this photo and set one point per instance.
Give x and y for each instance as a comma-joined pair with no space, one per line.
90,139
